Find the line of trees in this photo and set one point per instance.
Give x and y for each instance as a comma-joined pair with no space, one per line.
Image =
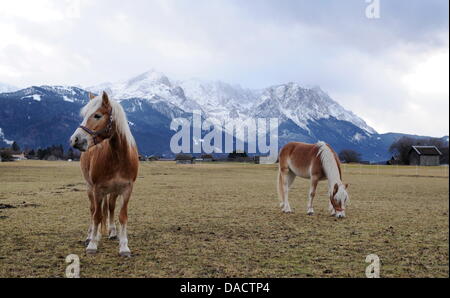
54,152
348,155
400,150
6,154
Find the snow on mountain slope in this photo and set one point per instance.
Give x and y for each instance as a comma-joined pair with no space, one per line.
216,96
66,93
7,88
149,85
152,86
224,102
3,138
291,101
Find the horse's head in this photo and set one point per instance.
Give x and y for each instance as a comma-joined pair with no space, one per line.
97,123
339,199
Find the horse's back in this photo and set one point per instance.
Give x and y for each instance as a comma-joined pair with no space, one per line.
301,159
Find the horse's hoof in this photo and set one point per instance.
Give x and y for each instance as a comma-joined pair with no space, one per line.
287,211
310,213
125,254
112,237
91,251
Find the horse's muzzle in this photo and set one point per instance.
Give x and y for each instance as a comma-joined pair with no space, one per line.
340,214
79,143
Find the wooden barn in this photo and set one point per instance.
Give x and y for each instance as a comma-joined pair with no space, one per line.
424,156
184,159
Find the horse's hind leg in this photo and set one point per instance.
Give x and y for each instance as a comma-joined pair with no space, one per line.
285,179
312,193
124,250
111,223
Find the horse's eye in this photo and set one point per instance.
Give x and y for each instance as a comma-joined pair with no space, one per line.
97,116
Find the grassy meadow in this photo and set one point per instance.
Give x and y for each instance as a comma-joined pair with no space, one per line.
224,220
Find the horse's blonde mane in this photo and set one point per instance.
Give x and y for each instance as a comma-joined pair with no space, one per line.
118,115
329,163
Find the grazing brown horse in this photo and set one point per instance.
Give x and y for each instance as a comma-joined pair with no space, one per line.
109,162
315,162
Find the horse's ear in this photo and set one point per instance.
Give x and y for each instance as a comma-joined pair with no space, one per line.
346,185
336,188
105,99
91,96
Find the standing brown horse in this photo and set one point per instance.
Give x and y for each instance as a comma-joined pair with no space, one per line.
315,162
109,162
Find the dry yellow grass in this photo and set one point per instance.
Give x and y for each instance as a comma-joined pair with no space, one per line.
223,220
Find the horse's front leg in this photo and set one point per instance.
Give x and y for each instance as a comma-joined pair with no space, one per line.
92,210
312,193
285,179
124,250
97,218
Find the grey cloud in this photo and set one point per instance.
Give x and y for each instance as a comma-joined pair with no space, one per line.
255,43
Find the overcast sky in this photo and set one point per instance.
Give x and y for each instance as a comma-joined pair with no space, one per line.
393,71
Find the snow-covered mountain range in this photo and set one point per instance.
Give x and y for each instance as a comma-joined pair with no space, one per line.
152,100
223,101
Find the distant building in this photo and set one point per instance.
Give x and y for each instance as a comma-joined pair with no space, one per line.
19,156
424,156
184,159
263,160
206,158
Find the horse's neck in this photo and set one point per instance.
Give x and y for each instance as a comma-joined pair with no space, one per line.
333,175
119,146
332,181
